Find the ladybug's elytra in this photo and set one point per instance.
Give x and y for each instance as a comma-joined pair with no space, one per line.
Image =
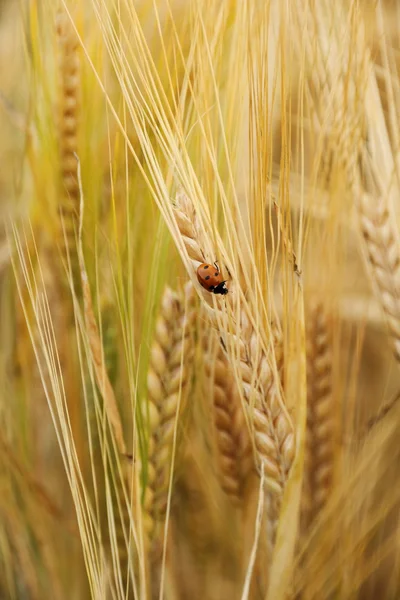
211,280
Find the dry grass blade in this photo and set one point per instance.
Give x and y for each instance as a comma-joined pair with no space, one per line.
383,411
51,376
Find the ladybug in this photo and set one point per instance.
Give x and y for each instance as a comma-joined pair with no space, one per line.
211,280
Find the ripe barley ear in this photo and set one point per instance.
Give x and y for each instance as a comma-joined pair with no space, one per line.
322,423
168,384
68,129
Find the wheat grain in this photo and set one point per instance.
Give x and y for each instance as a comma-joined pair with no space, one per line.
189,227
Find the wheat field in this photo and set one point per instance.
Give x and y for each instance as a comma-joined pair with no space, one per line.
158,440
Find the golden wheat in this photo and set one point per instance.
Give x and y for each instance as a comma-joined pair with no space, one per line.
205,98
272,428
382,247
232,440
321,434
68,125
274,439
168,383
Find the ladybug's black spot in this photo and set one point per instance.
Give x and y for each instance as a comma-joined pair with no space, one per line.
205,267
221,289
208,277
216,274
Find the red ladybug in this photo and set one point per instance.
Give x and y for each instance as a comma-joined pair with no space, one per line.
211,279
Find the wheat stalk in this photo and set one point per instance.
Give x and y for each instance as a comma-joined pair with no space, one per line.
321,434
97,360
168,384
231,435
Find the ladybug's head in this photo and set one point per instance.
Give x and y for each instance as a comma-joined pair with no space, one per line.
221,289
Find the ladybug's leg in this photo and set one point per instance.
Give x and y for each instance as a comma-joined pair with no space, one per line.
216,265
223,344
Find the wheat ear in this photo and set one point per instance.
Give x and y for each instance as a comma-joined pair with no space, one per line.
168,384
69,74
232,440
321,434
272,426
383,251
